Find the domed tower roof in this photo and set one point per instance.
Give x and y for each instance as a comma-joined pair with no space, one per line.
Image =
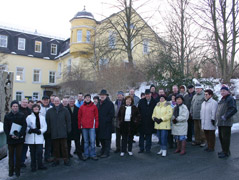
83,14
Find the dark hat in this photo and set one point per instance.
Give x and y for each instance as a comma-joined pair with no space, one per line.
120,92
36,105
104,92
45,97
14,102
96,97
163,95
147,91
152,85
190,86
87,95
225,88
179,96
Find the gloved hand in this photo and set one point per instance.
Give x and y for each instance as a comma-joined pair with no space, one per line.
16,133
175,121
213,122
223,118
30,131
160,120
38,131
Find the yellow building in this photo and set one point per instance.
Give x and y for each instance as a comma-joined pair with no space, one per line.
39,61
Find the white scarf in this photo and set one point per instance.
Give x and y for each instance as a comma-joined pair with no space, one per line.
127,113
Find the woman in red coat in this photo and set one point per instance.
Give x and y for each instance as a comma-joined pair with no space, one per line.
87,121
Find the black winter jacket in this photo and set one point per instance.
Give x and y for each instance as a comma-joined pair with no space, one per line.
106,115
17,118
58,122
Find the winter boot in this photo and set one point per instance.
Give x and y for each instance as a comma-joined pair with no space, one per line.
183,148
178,147
164,153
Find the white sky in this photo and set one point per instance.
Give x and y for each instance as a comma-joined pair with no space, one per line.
52,16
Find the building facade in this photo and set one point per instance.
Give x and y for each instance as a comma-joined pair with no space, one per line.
39,62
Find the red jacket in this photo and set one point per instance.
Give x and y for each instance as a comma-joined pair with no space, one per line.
88,116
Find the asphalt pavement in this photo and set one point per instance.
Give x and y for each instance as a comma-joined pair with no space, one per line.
195,165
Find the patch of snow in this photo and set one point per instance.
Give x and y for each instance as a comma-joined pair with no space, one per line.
46,58
1,127
141,89
30,55
63,53
13,53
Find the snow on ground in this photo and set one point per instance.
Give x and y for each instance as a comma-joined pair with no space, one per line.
1,127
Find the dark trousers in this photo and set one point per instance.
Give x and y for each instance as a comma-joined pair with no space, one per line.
24,153
105,146
190,129
211,138
77,146
225,138
36,151
48,147
170,139
127,140
118,139
17,148
199,133
97,139
60,147
148,138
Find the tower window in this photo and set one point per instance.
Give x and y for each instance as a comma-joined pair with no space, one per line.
87,36
79,36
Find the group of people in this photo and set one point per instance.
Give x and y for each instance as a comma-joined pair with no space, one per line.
55,123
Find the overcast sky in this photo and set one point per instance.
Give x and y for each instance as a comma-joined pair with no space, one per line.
52,16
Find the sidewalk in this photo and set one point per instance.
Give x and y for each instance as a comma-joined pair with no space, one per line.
196,164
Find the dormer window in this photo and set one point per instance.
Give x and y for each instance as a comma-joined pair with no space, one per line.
21,43
38,46
53,49
3,41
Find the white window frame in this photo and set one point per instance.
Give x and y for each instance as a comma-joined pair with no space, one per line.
37,96
23,72
69,62
88,36
21,41
2,39
112,40
79,35
39,46
49,77
22,95
145,46
55,49
39,76
3,67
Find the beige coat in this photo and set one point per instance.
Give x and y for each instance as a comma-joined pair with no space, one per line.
208,113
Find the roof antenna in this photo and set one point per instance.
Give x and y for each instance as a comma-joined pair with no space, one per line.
84,8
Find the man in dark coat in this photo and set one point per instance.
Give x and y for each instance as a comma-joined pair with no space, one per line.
16,140
59,125
146,125
187,101
75,132
175,92
225,110
106,115
26,111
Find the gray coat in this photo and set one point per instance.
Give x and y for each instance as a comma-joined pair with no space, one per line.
197,101
226,107
58,122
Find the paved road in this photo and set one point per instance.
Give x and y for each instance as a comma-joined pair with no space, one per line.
196,164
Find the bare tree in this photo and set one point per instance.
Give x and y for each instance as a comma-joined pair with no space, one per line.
221,22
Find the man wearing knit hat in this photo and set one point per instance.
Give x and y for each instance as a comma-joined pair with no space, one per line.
226,109
197,101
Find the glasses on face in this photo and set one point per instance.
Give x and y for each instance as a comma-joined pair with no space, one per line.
206,94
